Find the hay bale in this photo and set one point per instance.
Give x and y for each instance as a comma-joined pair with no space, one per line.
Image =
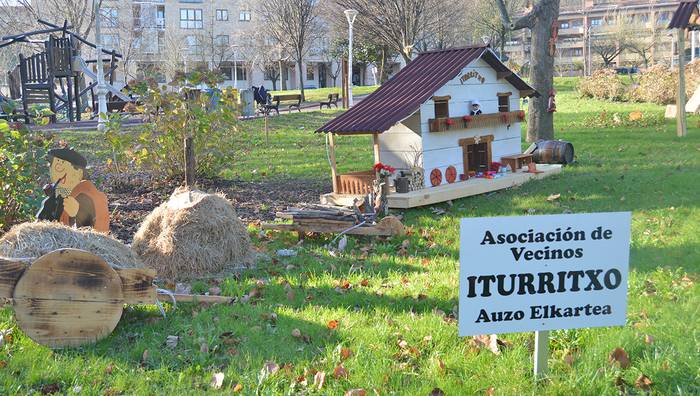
193,234
32,240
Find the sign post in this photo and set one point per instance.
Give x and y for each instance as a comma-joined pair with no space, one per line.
541,273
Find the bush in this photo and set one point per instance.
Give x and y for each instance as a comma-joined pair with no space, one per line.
22,163
211,119
656,85
602,84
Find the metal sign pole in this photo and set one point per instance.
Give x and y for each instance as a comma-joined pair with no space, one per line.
541,353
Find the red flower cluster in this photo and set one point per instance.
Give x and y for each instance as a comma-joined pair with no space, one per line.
378,167
504,117
467,118
449,121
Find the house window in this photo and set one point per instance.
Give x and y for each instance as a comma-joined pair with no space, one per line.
244,16
504,102
241,71
309,72
442,107
596,22
222,40
190,18
111,41
226,69
564,25
109,16
222,15
193,44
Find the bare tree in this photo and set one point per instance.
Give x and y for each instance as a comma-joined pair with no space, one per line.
486,22
610,40
293,24
541,19
400,25
450,26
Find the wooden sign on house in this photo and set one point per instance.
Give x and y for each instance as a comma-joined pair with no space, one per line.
448,117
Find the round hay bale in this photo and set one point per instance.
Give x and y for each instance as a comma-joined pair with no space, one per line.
193,234
32,240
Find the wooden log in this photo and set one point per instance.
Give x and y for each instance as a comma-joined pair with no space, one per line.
195,298
68,297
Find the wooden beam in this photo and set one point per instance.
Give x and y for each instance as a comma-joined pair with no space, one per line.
681,127
445,98
375,144
503,74
331,155
504,94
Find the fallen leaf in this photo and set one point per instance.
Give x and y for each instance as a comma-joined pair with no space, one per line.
171,341
269,369
345,353
490,391
643,383
3,364
319,379
648,339
442,365
493,344
145,355
296,333
553,197
619,356
332,324
569,358
109,368
49,389
403,344
340,372
436,392
217,380
356,392
364,283
237,388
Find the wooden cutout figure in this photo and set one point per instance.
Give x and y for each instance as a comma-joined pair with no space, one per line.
71,199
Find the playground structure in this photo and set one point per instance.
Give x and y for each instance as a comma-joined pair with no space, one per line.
57,76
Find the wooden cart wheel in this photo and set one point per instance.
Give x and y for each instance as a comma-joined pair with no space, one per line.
435,177
68,297
451,174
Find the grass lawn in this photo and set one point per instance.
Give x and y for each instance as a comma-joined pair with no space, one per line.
386,318
319,94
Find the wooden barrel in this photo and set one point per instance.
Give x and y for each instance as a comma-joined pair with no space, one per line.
553,152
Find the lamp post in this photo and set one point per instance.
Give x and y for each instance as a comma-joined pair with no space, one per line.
350,15
101,89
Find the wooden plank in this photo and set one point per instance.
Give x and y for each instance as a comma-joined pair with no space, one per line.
331,154
446,192
443,98
68,297
10,271
137,285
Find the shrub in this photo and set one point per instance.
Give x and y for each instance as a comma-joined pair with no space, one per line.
22,163
656,85
602,84
211,119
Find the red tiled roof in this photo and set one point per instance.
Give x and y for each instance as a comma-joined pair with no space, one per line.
682,15
401,96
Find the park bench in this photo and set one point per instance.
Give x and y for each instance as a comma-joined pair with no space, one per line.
332,100
294,98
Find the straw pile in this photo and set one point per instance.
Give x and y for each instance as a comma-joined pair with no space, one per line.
32,240
193,234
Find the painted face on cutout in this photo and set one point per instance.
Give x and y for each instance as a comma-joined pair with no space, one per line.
69,175
475,107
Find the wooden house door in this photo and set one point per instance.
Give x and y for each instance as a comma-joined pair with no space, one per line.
476,153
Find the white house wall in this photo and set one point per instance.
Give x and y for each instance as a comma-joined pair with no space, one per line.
442,149
399,144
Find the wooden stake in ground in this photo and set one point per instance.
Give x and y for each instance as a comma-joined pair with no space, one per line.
267,130
190,164
681,128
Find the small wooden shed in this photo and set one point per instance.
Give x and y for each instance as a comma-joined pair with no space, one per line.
422,123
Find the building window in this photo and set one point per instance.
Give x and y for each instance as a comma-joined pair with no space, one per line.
222,40
227,70
504,102
643,18
111,41
109,16
222,15
241,71
564,25
244,16
442,107
160,16
576,23
190,18
596,22
310,72
193,44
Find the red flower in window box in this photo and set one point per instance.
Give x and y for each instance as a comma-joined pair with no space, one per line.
467,118
449,121
504,117
521,115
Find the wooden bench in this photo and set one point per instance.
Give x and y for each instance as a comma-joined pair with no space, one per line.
332,100
294,98
516,161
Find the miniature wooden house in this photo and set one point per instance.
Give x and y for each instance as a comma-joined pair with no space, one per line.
424,122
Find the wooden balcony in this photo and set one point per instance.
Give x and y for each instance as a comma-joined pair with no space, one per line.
478,121
358,183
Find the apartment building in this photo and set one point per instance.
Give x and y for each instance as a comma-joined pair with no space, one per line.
588,29
160,37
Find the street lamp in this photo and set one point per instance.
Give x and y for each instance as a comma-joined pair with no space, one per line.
101,89
350,15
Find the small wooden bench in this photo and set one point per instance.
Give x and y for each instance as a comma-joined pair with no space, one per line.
516,161
294,98
332,100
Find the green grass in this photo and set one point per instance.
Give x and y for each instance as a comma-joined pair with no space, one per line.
319,94
648,171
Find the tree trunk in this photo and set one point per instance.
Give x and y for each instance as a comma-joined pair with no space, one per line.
301,79
283,81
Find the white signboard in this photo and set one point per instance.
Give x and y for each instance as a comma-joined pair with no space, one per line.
543,272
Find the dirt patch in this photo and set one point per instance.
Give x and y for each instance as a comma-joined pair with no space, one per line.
254,201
